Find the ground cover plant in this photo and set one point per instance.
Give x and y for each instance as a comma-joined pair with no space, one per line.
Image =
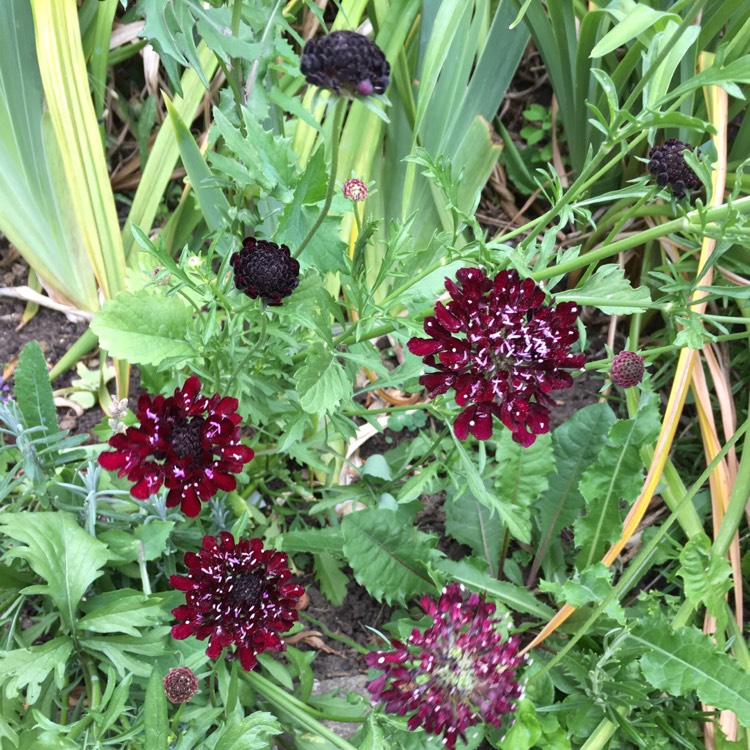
441,304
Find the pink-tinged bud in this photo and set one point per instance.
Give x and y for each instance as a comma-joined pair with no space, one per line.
355,190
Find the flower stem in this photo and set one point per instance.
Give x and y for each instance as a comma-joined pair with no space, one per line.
295,708
335,138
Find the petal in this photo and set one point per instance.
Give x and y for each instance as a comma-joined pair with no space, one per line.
181,631
424,347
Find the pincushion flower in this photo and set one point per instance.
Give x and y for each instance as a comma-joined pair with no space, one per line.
236,595
627,369
461,671
667,163
263,269
188,442
180,684
355,190
502,350
347,63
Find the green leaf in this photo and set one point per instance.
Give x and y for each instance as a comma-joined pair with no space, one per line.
588,587
266,159
616,477
58,550
387,557
129,653
116,705
474,525
522,472
518,525
322,383
144,329
575,444
214,205
376,466
332,581
121,611
32,389
251,733
27,668
514,597
707,577
633,20
685,661
156,720
610,291
328,540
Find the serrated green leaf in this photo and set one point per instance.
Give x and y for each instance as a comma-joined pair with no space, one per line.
121,611
616,477
129,653
267,159
707,577
143,328
251,733
152,538
588,587
514,597
27,668
575,444
58,550
328,540
322,383
387,557
518,526
475,525
610,291
684,661
332,581
522,472
156,721
32,389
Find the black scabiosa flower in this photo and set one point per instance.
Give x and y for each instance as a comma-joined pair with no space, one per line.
627,369
188,442
263,269
347,63
236,594
667,163
513,352
180,684
461,671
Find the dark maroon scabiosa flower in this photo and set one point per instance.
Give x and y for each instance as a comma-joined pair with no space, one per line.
627,369
347,63
263,269
514,351
188,442
355,190
667,163
180,684
236,594
461,671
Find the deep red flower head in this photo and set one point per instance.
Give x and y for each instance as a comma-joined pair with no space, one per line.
461,671
236,595
627,369
513,351
266,270
355,190
188,442
180,684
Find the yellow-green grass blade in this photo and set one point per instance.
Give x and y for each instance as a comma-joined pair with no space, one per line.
65,81
35,212
165,152
214,205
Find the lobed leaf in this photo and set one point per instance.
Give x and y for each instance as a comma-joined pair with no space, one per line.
33,391
58,550
27,668
322,383
387,558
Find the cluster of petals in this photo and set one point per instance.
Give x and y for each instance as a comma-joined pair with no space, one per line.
188,442
236,594
460,672
502,350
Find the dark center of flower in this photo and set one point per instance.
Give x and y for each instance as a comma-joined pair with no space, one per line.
248,589
187,437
